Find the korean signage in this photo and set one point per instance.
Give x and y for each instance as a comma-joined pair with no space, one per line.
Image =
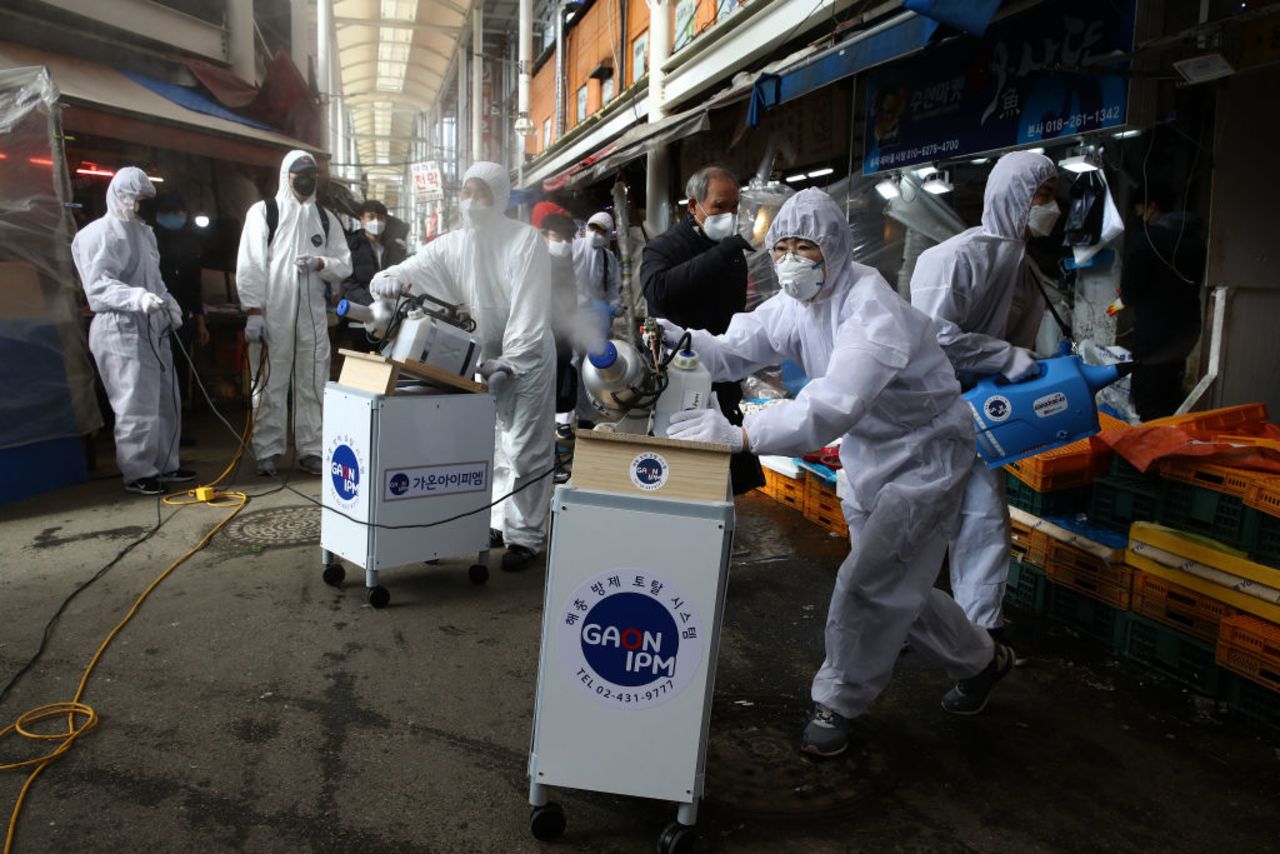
1004,90
424,481
427,183
630,639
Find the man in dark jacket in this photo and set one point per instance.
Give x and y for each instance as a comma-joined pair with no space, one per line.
371,253
1163,271
180,249
695,275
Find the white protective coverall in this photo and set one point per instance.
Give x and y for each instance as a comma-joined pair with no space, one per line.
119,263
980,289
599,280
293,308
879,379
502,273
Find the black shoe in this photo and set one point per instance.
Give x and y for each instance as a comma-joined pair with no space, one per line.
517,559
495,539
311,464
969,696
178,476
267,467
586,425
144,486
564,433
827,733
561,476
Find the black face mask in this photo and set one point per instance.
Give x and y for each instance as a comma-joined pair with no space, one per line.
304,184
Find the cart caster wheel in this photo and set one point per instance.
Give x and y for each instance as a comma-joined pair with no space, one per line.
478,573
378,596
334,574
547,823
677,838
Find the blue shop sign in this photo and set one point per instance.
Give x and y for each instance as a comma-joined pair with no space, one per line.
1004,90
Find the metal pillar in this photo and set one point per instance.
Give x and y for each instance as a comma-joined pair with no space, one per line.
300,35
658,171
560,69
477,84
324,72
460,125
240,40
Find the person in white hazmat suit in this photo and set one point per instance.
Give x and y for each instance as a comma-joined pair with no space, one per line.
501,271
879,379
281,277
599,293
980,289
119,266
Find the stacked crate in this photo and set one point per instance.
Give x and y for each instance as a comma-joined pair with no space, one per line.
822,505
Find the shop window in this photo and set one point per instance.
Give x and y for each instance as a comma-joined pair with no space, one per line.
639,56
725,8
546,134
606,90
582,105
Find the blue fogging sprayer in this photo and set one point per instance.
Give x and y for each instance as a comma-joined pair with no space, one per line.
1054,408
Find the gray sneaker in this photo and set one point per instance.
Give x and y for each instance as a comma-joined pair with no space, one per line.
267,467
311,464
969,696
827,733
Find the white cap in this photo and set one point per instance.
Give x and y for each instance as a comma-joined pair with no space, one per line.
603,220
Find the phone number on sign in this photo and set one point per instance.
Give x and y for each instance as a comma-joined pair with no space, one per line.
911,155
1077,122
625,697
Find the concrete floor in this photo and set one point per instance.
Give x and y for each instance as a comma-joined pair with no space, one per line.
251,708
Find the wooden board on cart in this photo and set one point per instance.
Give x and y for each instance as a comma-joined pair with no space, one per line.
378,374
644,465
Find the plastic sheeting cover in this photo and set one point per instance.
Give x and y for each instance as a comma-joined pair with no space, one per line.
45,369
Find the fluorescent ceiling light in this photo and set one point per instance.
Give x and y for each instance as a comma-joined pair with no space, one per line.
1126,134
888,189
937,183
201,221
979,161
818,173
791,179
923,172
1037,150
1080,163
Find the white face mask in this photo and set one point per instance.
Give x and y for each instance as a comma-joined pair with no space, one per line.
476,214
1043,218
375,226
801,278
719,226
598,240
558,248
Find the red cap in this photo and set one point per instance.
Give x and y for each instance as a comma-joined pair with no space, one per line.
543,209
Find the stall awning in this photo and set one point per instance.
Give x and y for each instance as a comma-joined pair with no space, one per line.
640,140
99,100
899,37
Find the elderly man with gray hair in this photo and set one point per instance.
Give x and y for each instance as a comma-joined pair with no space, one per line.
695,275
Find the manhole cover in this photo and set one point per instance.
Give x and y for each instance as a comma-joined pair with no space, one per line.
754,765
280,526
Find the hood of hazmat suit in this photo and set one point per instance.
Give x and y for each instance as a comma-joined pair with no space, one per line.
979,286
501,271
294,308
877,375
118,263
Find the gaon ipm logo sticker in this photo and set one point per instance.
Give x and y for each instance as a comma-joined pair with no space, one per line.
345,467
649,471
630,639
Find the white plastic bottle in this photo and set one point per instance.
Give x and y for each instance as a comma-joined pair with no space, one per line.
688,387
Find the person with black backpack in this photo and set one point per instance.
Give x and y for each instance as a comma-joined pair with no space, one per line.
289,248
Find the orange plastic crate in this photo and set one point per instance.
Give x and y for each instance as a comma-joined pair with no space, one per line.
1231,481
822,506
1216,420
1028,545
1264,495
1090,575
785,490
1251,647
1177,606
1069,466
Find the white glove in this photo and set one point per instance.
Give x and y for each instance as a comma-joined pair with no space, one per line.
175,313
386,287
255,329
671,334
150,303
705,425
489,367
1022,365
309,263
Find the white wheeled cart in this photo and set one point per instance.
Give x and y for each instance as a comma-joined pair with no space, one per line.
405,468
636,578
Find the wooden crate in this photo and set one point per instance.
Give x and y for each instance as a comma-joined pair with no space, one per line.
822,506
626,464
784,490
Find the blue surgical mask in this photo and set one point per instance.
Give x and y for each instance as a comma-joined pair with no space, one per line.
171,221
